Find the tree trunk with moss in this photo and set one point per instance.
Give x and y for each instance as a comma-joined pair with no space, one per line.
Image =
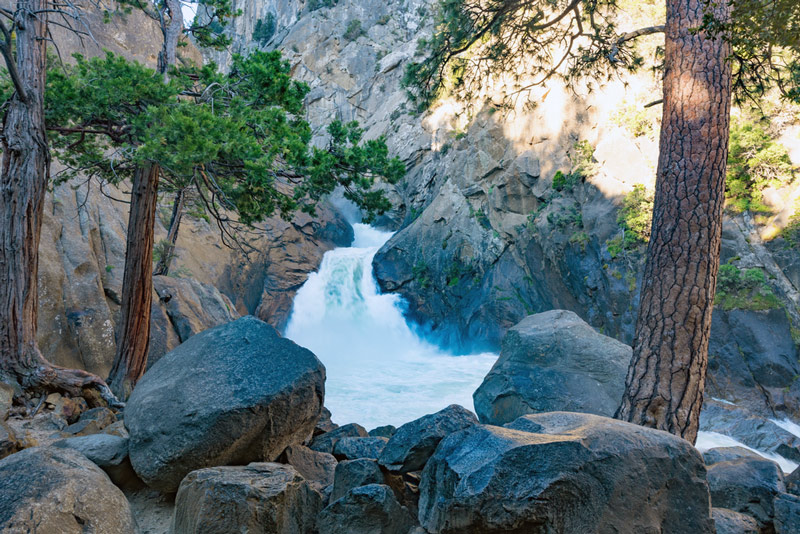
666,378
133,330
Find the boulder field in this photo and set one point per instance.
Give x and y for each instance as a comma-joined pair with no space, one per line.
228,434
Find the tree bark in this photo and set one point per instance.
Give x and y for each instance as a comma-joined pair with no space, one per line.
133,334
666,378
162,268
23,183
172,33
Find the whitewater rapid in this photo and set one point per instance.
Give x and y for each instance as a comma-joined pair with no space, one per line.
379,369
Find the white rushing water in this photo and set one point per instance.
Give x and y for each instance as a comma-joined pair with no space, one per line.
709,440
380,371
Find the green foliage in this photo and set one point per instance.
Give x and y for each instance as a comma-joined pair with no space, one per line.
421,273
265,29
583,165
636,216
238,138
755,161
353,30
636,119
746,290
635,219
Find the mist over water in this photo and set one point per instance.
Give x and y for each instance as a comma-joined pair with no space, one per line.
379,370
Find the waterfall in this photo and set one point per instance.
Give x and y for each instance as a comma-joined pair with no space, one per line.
379,369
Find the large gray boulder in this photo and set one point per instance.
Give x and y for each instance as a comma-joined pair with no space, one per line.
230,395
553,361
327,441
58,491
413,443
316,467
747,485
371,509
267,498
568,473
725,454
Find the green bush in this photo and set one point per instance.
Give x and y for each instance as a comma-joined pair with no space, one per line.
755,161
583,165
746,290
353,30
634,218
313,5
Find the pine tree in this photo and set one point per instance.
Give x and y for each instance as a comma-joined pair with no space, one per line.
711,46
236,139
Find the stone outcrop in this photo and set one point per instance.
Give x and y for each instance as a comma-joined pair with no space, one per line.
107,451
316,467
564,472
352,474
354,448
327,441
233,394
787,514
414,442
748,486
730,522
553,361
365,510
261,497
58,491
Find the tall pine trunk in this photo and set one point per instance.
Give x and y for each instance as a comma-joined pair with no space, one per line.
167,254
133,330
666,378
23,183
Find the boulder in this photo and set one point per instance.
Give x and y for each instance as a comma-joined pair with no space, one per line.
91,422
724,454
58,491
8,441
564,472
324,423
354,448
746,485
327,441
385,431
730,522
107,451
787,514
793,482
266,498
553,361
316,467
6,398
230,395
354,474
413,443
368,509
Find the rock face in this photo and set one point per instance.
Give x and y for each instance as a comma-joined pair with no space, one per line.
8,440
413,443
787,514
233,394
261,497
724,454
747,485
59,491
316,467
368,509
564,472
730,522
553,361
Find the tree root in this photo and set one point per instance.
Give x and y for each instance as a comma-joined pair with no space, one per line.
52,378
